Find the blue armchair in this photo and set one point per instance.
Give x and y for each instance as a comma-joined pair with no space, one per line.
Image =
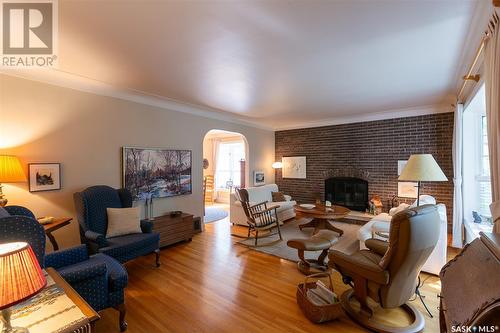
91,206
99,279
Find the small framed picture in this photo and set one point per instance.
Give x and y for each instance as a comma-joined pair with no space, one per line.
407,189
44,177
258,178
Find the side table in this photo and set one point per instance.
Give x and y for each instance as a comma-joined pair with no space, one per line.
58,223
56,308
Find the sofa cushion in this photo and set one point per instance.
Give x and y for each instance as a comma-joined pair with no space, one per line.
278,196
261,193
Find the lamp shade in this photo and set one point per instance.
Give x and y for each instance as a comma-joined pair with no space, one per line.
11,170
20,274
277,165
423,168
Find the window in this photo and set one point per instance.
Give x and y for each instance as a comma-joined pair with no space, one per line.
483,178
228,169
476,167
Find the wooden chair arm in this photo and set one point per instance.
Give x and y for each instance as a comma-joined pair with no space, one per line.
265,211
259,204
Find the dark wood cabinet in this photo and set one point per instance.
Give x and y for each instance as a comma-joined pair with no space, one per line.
174,229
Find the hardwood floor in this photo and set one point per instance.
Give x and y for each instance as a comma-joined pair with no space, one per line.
214,285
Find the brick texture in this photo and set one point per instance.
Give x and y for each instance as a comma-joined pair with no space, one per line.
373,147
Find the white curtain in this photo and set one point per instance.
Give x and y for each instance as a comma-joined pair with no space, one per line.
458,211
215,154
492,84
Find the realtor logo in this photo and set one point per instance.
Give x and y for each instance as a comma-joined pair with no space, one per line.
29,31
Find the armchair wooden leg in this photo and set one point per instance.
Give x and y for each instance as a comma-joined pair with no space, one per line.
157,253
256,236
123,311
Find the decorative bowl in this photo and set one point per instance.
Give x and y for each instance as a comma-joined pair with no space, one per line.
307,206
175,213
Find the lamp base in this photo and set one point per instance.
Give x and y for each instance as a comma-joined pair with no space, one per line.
7,328
3,199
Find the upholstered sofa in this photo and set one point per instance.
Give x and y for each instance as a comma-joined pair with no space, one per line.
257,195
380,225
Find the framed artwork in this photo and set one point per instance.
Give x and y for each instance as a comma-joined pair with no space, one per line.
156,173
294,167
259,178
44,177
407,189
401,166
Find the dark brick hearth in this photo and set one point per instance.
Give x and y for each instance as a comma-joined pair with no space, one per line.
374,147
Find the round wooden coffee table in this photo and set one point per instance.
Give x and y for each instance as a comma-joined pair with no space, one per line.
321,216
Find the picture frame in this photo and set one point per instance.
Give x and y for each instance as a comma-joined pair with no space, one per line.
401,166
407,190
157,172
259,178
44,177
294,167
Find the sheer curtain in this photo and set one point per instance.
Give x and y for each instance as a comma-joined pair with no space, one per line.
492,82
457,179
228,163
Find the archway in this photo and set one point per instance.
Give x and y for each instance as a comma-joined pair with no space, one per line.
225,168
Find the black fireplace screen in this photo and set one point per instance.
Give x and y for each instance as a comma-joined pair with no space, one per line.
348,192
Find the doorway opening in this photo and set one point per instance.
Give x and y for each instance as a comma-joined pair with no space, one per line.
225,168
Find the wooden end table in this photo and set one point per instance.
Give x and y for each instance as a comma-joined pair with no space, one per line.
58,223
56,308
86,309
321,217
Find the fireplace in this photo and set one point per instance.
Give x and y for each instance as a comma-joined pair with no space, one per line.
349,192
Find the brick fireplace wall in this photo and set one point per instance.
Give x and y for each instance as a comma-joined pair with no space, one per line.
373,147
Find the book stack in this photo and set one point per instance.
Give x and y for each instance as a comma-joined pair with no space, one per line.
321,295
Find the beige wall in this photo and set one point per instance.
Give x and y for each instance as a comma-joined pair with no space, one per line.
84,132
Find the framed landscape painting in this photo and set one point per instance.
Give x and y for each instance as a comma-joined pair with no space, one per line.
156,173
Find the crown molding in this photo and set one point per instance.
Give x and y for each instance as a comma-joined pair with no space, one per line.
373,116
75,82
80,83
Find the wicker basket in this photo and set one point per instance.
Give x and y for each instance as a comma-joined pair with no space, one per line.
317,313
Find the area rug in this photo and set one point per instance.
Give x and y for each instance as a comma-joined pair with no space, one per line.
213,214
347,243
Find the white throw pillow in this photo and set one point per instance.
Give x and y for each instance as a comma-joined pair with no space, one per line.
425,200
398,209
123,221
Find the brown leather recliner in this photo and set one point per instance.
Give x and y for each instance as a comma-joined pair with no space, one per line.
388,271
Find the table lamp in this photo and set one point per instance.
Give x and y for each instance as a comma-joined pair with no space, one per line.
422,168
277,165
20,278
10,172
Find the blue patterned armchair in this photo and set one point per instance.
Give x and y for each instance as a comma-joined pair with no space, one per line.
91,206
99,279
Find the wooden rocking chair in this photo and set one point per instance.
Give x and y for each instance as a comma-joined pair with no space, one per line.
259,216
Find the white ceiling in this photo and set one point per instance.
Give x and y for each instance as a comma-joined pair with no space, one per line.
280,63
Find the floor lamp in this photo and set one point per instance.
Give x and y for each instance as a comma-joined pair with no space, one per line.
422,168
